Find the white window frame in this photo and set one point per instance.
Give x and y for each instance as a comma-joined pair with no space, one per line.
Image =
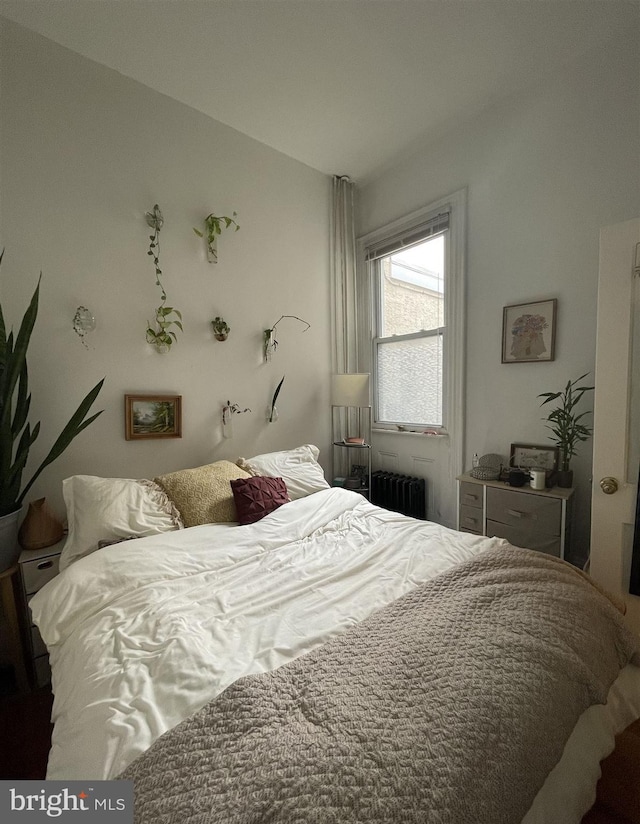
454,310
382,339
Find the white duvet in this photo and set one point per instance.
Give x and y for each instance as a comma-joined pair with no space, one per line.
141,634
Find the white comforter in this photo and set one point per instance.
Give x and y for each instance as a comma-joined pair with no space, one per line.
143,633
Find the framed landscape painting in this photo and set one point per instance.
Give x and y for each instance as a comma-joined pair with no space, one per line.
152,416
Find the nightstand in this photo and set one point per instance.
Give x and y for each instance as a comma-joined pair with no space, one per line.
37,567
530,518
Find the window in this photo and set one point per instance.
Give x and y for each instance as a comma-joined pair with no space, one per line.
409,347
410,315
410,337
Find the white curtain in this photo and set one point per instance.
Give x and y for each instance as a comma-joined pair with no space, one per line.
343,278
344,302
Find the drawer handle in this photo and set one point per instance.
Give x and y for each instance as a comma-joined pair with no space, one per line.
468,520
469,497
45,565
515,513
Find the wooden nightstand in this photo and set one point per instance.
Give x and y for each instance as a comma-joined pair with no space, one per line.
37,567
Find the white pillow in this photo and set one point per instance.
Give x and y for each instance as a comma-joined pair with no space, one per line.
108,509
298,467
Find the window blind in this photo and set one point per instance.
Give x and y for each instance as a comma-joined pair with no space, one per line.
409,237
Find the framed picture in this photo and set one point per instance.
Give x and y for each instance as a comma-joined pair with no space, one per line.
529,332
152,416
526,456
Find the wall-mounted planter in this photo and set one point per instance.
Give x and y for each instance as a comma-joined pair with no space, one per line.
221,328
213,226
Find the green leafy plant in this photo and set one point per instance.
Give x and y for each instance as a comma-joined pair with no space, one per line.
162,336
564,423
159,332
220,328
16,434
213,226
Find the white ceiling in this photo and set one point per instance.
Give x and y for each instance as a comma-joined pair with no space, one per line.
345,86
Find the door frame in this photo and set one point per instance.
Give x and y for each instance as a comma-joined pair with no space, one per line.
612,516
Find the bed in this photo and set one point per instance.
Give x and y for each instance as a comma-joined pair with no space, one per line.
330,661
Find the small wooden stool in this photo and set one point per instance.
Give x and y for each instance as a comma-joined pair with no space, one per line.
8,599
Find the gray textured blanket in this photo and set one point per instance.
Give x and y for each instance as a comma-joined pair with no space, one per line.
449,705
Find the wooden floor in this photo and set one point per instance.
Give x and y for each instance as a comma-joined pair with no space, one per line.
25,737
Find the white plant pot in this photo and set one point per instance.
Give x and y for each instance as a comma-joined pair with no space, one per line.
9,546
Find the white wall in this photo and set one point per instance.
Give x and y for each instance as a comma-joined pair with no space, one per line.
84,153
544,172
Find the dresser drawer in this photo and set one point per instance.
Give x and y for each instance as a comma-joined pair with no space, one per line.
523,536
471,519
533,513
35,574
471,495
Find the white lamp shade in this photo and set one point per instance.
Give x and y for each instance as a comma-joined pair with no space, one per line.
350,390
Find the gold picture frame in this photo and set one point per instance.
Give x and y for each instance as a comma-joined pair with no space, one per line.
152,416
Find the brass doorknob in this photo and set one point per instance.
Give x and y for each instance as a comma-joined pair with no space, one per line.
609,485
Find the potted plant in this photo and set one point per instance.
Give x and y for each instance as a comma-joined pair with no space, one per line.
221,328
566,426
17,435
213,226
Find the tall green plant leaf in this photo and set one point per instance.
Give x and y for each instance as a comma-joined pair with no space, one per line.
16,434
15,358
73,428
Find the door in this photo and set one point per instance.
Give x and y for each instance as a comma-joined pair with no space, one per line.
616,438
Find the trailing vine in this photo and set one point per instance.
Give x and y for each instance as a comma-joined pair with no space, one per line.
161,335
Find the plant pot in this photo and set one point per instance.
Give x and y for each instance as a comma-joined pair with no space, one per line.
40,527
9,546
564,478
212,250
221,336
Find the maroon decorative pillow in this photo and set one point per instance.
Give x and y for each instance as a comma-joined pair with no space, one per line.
257,496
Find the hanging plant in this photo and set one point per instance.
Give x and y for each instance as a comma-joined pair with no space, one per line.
272,412
213,226
269,340
159,333
221,328
228,411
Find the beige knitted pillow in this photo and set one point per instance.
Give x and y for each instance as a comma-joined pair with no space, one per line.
203,495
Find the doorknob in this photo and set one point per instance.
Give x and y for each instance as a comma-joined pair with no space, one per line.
609,485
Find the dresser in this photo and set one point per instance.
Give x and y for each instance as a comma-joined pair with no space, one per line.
37,567
530,518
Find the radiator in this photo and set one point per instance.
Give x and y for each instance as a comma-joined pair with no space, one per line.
400,493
